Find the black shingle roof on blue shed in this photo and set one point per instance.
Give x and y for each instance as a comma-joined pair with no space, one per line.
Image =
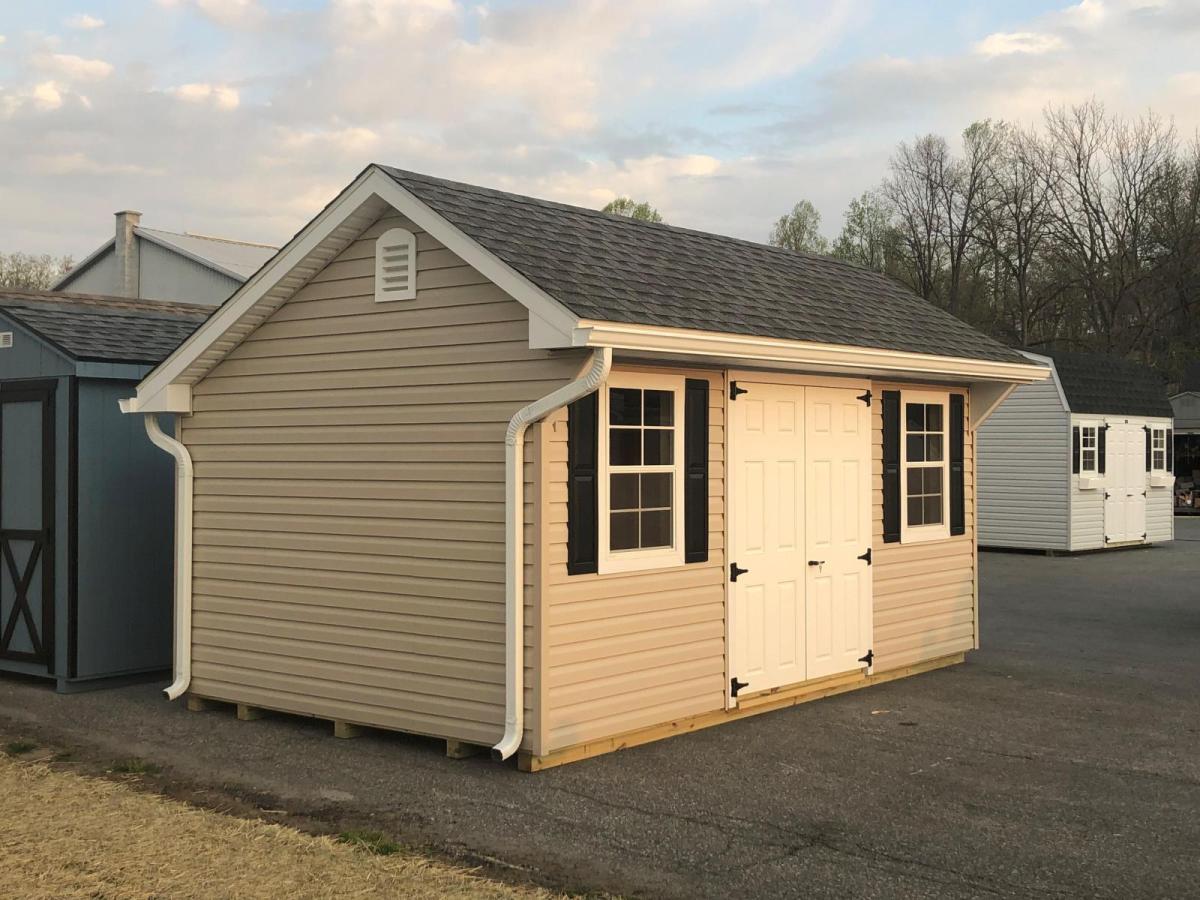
105,329
615,269
1096,384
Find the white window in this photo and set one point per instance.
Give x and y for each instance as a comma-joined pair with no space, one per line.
641,484
1089,449
396,265
1158,449
925,469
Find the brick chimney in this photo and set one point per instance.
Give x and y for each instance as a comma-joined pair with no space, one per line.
128,263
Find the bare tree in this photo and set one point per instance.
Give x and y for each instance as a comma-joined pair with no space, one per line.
1014,223
24,271
912,189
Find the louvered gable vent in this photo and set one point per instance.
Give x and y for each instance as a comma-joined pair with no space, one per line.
396,265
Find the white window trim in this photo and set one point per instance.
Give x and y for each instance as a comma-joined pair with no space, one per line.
1155,432
1088,477
660,557
913,534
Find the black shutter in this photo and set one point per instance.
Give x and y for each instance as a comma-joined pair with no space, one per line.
695,462
1149,459
1170,451
583,466
1101,449
891,466
958,512
1075,450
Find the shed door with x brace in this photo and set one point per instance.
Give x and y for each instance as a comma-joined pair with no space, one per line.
800,598
26,522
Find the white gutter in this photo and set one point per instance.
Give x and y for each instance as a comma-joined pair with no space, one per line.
514,542
183,554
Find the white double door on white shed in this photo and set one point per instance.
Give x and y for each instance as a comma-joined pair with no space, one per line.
800,532
1125,483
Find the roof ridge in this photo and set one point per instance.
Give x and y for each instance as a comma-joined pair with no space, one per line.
627,220
102,301
209,237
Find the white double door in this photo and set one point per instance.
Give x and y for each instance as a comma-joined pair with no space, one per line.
800,531
1125,483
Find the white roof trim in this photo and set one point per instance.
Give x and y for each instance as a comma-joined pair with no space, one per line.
198,354
808,355
1047,361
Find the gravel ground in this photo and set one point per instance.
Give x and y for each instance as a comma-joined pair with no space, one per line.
1060,760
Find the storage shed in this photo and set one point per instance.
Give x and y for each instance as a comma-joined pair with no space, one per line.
517,474
1185,404
85,499
1082,461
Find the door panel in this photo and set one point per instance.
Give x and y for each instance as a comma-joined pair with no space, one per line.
26,523
767,618
838,450
1125,483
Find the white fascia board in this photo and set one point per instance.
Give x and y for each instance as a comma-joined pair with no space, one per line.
1049,363
173,398
371,183
806,355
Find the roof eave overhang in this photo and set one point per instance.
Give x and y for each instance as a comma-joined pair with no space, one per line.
807,356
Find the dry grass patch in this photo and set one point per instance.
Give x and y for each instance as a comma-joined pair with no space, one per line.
68,836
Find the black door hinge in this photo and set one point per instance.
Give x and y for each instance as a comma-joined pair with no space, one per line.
735,686
734,571
734,390
865,398
869,659
866,557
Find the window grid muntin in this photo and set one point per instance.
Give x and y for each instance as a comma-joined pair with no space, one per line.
1158,449
655,427
1089,443
925,444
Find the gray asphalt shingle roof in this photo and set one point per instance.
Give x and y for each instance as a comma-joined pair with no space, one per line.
108,329
1096,384
614,269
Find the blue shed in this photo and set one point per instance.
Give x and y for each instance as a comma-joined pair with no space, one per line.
86,501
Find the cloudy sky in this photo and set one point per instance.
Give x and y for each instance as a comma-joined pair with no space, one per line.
243,117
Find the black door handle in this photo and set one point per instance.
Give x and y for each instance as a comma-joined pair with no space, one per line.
816,562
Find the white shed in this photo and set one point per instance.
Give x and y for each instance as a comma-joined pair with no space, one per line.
1082,461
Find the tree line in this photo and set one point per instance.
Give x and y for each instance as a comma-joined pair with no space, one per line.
1080,233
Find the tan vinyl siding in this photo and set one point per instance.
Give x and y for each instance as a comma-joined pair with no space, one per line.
924,592
349,499
631,650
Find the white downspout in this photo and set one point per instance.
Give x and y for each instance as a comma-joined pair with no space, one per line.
514,543
183,554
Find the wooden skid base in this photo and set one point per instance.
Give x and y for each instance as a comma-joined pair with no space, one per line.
249,713
749,706
345,730
462,750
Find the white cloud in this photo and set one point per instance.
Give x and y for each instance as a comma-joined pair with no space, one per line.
78,163
74,68
1005,43
46,95
233,13
84,22
221,96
